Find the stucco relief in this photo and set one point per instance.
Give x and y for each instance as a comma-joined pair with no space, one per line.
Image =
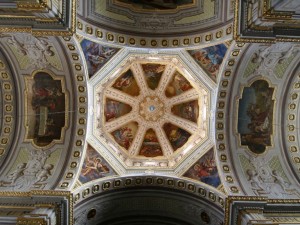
267,57
267,177
32,170
33,52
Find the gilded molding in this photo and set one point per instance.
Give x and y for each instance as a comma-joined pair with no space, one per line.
38,23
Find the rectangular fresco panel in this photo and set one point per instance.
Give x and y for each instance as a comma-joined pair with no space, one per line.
94,167
96,55
205,170
255,116
46,109
210,58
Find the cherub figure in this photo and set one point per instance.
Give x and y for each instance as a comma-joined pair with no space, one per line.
17,173
44,173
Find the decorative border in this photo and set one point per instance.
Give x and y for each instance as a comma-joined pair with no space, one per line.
231,184
9,108
34,194
199,190
81,114
291,124
267,14
232,200
42,7
87,30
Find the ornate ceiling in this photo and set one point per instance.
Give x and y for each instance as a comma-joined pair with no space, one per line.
151,99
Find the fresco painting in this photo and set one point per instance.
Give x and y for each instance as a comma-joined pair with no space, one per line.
46,107
177,136
205,170
96,55
153,74
157,4
210,59
187,110
125,135
177,85
255,116
94,167
127,84
114,109
150,146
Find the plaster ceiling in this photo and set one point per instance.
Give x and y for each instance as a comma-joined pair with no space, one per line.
210,118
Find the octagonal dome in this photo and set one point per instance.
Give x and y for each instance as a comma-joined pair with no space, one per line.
151,112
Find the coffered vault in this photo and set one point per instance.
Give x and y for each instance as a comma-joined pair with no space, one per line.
149,113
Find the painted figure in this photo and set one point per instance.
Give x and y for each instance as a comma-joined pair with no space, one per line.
210,58
125,135
96,55
94,167
205,170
